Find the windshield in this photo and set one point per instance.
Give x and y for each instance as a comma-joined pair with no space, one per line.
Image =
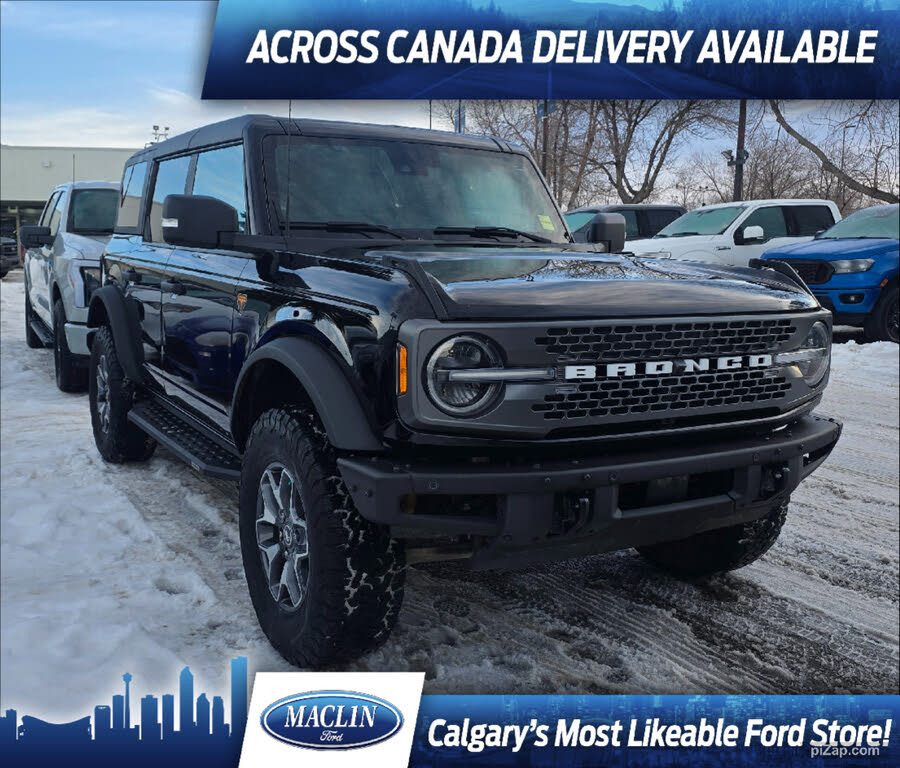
409,186
93,211
703,221
869,223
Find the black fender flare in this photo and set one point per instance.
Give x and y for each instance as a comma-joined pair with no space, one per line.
108,305
332,395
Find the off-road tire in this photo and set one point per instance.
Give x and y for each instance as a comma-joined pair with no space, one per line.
71,370
720,550
881,322
31,338
121,440
355,570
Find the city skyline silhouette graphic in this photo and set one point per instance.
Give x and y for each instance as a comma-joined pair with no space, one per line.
201,735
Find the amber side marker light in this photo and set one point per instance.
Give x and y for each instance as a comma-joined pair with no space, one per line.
402,370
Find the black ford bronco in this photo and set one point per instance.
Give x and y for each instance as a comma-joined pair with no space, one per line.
388,337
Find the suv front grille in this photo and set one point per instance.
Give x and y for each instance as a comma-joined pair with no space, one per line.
626,342
655,394
811,272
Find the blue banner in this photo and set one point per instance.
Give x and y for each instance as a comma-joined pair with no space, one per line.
554,49
181,727
697,731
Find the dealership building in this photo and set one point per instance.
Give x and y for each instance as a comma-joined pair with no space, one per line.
28,174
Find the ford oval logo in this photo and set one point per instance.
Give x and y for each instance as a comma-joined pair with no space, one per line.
331,720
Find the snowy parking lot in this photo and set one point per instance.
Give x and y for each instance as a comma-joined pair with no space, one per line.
112,568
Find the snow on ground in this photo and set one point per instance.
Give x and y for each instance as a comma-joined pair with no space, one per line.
106,569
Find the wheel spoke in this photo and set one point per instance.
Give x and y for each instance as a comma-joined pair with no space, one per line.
285,491
291,582
302,547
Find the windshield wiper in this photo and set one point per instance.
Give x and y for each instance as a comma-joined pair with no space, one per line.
491,232
683,234
344,226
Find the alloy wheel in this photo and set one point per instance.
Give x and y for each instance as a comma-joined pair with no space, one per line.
281,536
103,393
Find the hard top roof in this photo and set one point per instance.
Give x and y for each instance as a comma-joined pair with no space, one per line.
88,185
626,206
235,128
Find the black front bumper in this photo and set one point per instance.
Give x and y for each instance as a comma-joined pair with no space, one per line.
559,509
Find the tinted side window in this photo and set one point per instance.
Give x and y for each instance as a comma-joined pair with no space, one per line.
809,219
130,201
770,219
48,209
632,231
171,179
220,174
57,213
657,219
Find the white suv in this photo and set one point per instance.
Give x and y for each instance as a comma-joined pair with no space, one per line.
734,233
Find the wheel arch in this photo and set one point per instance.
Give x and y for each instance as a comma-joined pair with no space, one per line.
109,307
293,370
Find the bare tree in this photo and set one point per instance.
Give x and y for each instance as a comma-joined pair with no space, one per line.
639,137
868,158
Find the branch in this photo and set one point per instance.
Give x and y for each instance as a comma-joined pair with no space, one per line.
827,164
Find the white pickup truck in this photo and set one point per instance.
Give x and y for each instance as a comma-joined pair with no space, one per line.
62,267
734,233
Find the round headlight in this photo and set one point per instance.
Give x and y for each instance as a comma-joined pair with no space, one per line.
462,353
814,355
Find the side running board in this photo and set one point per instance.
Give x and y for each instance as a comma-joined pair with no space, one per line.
42,331
205,455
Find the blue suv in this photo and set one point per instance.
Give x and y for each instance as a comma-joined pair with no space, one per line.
852,268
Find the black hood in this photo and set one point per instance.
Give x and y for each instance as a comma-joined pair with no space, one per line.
553,284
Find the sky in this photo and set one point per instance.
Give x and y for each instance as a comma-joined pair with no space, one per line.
101,74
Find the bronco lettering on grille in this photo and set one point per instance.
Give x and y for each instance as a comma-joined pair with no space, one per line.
665,367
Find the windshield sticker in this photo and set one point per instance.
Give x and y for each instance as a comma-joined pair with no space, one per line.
546,222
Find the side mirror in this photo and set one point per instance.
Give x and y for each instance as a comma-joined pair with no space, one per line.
608,228
196,221
753,234
34,236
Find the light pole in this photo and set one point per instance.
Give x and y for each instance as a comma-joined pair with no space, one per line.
159,134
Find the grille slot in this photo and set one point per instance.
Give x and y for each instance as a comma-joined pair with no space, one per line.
673,394
664,341
811,272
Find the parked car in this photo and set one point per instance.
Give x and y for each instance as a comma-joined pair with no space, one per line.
641,221
62,267
735,233
9,255
852,269
430,369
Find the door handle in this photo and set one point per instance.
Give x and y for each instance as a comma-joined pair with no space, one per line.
173,286
131,276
